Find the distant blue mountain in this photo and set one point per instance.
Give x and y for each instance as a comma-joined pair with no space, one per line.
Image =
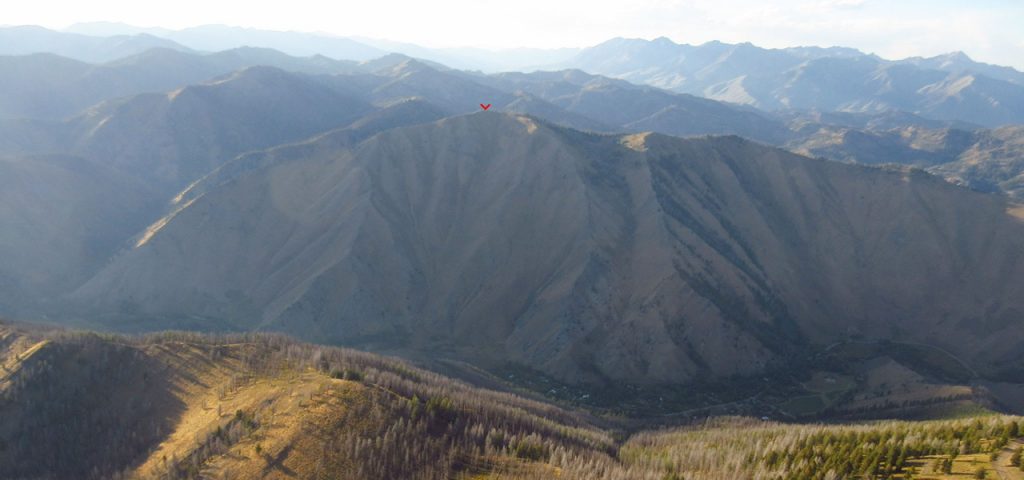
948,87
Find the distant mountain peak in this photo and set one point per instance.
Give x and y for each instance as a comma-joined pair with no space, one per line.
256,72
395,64
958,55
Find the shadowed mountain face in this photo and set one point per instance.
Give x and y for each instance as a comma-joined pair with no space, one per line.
945,88
63,215
177,137
496,238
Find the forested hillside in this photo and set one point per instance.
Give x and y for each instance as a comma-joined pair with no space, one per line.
184,405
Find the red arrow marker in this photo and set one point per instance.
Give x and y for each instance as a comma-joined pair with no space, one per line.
485,107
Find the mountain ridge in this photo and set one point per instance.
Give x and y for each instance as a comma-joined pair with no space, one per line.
401,202
29,39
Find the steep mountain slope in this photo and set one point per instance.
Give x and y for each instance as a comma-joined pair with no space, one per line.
823,79
116,168
498,238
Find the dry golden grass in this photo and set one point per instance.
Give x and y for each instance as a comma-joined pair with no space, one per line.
302,411
18,350
296,408
1016,211
198,383
964,466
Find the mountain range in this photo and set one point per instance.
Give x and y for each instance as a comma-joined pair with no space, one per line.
29,39
945,87
365,203
222,37
237,253
948,87
46,86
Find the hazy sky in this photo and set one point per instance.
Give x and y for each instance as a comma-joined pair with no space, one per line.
988,30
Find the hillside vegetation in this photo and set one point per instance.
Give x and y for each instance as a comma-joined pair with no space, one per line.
180,405
184,405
